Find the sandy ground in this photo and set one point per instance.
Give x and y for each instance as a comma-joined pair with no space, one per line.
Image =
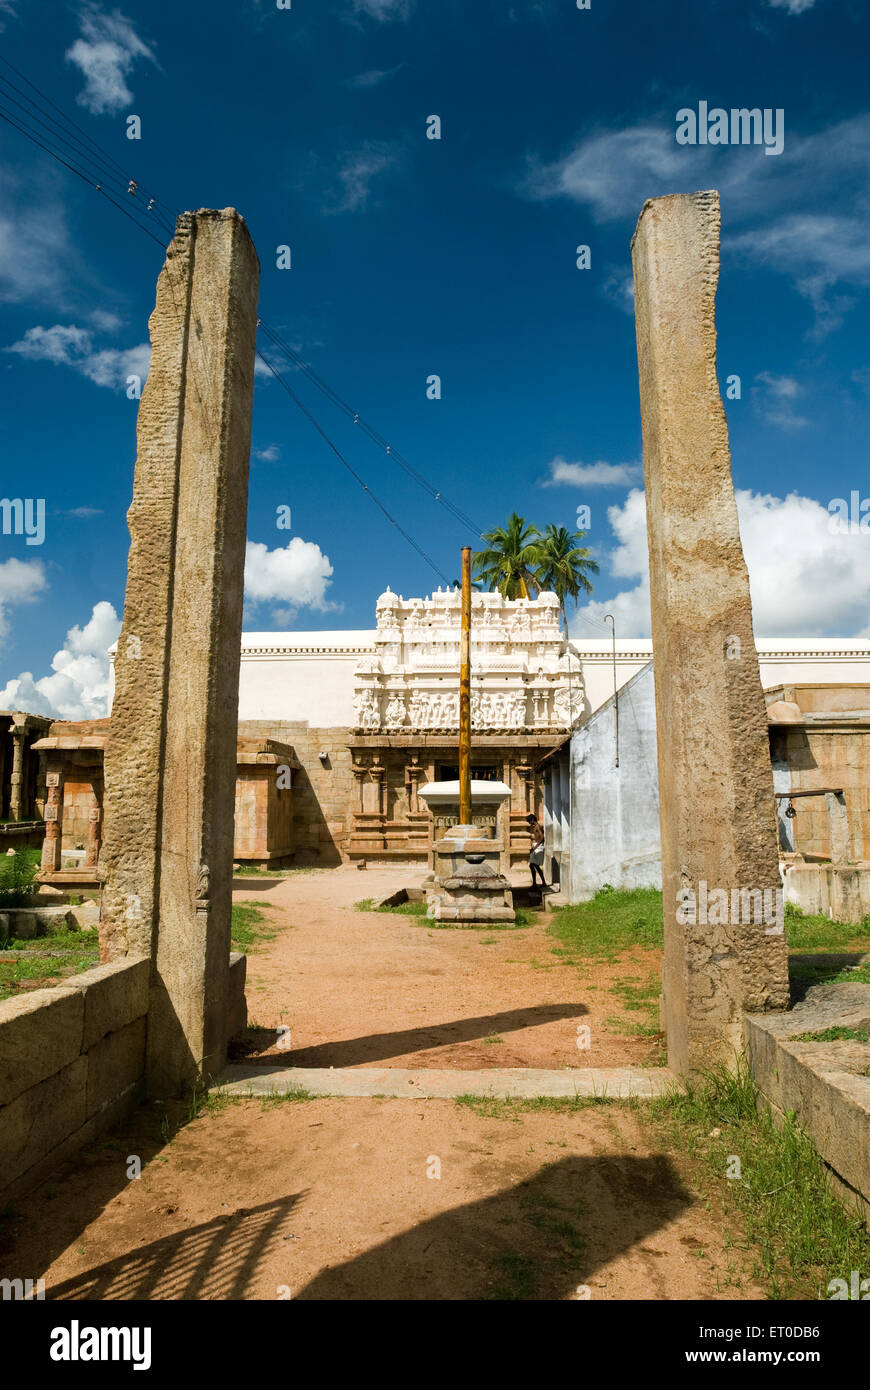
340,1199
365,988
374,1198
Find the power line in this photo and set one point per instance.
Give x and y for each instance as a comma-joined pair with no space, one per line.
86,139
332,395
364,485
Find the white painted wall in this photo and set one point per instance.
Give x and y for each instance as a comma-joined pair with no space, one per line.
310,675
301,675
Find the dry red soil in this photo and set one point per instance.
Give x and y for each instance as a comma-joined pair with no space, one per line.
372,1198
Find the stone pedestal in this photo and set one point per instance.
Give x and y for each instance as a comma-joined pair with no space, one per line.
467,885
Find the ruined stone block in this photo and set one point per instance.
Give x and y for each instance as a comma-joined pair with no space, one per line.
115,1063
40,1033
40,1118
114,995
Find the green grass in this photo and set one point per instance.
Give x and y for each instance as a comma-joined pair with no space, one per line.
613,921
516,1277
247,933
418,910
802,1235
818,933
409,909
81,951
514,1107
836,1034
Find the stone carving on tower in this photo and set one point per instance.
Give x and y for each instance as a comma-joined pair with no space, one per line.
525,677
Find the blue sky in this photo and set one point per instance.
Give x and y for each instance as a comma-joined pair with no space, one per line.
413,257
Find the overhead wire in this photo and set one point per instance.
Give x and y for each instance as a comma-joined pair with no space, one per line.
100,169
73,159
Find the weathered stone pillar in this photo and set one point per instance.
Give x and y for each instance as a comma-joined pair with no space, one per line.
718,823
51,845
16,787
170,762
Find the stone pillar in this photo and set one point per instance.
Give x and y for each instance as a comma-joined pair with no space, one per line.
16,789
170,760
413,773
51,845
838,819
92,852
718,823
373,793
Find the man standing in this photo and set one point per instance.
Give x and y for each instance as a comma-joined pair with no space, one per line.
536,853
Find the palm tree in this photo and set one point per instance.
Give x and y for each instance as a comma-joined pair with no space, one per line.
563,566
511,559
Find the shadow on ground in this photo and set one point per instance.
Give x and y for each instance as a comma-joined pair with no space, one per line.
541,1239
378,1047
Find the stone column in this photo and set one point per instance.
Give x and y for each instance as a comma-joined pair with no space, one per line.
51,845
718,823
16,788
413,773
170,761
92,852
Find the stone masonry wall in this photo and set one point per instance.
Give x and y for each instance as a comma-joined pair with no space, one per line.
322,789
72,1060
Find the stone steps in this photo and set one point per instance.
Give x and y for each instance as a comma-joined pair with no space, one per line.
616,1083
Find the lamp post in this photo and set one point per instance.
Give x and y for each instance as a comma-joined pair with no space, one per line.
465,694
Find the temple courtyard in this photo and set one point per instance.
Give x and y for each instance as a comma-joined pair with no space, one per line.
292,1193
376,1197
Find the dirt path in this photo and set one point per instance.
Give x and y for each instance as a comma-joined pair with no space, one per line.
341,1199
363,988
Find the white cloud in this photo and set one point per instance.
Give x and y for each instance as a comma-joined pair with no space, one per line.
357,173
297,574
373,78
819,251
383,10
804,580
79,687
85,513
613,172
70,346
269,454
619,288
8,10
598,474
775,398
21,581
793,6
106,55
35,251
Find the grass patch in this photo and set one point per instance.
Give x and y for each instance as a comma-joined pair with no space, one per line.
613,921
409,909
419,910
817,933
516,1277
802,1234
836,1034
247,932
81,951
514,1107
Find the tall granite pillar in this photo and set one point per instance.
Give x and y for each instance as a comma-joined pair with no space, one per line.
170,761
718,822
